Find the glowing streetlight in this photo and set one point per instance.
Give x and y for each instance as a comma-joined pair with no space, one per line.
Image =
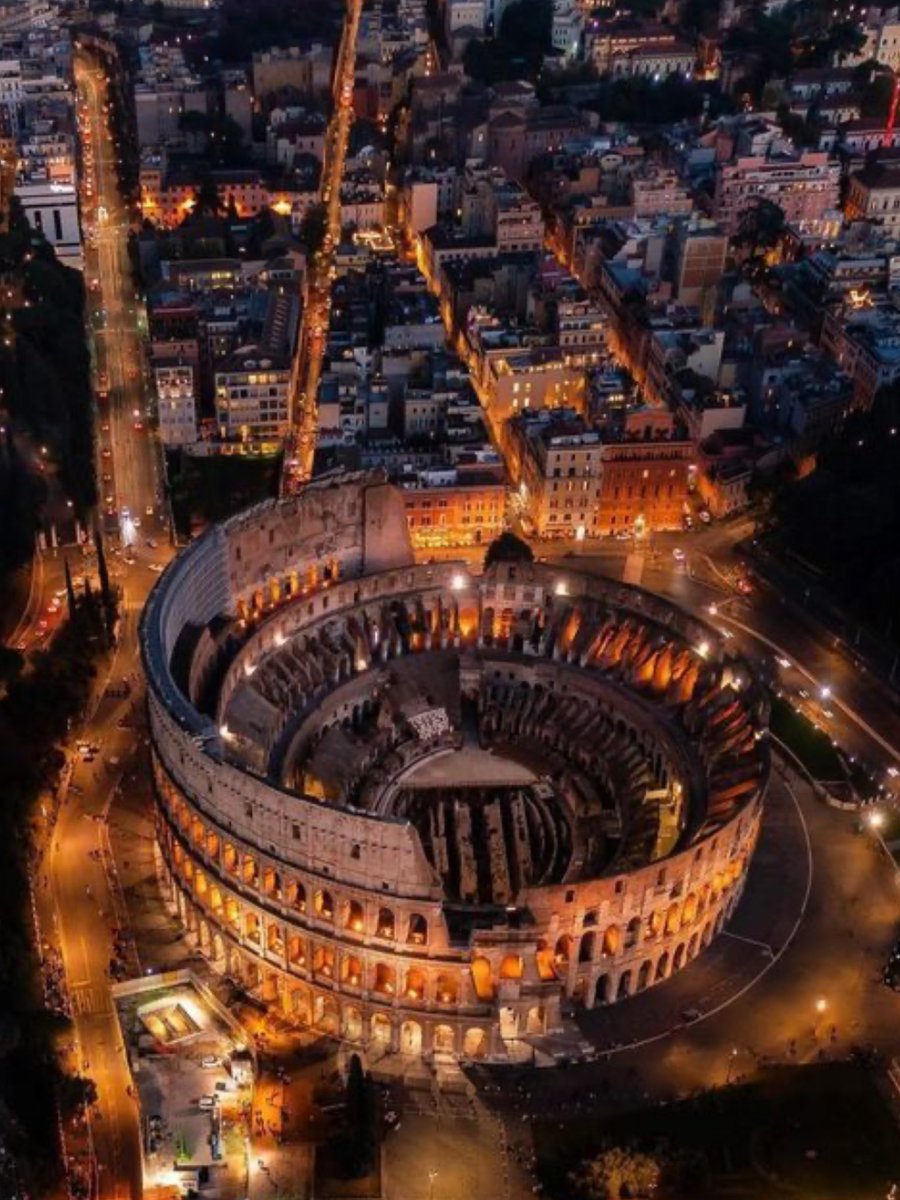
821,1005
825,692
875,820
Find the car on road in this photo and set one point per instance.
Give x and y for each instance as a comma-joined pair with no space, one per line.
893,772
705,516
678,554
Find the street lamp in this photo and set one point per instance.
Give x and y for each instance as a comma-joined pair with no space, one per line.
825,692
432,1176
731,1057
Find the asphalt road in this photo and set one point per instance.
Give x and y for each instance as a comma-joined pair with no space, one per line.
314,331
81,880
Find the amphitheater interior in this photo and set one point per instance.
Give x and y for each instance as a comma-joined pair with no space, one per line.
435,812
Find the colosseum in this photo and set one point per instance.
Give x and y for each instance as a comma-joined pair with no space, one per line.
433,812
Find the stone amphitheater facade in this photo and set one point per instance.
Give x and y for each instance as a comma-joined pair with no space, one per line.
435,812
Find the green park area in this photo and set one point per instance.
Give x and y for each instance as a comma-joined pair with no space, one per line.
818,1131
810,745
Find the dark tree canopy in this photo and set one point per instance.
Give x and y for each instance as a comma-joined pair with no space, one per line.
508,548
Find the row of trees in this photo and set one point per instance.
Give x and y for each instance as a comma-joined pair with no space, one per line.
844,517
36,712
44,361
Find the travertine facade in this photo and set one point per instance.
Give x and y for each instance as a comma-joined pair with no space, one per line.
416,808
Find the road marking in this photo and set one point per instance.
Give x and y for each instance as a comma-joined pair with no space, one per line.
835,700
750,941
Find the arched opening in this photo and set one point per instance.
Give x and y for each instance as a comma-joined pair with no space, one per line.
353,1025
272,883
414,984
511,967
385,927
544,962
353,916
380,1029
327,1015
612,940
590,919
562,954
624,985
444,1040
418,930
323,962
655,924
689,912
351,970
298,999
249,873
251,927
232,913
475,1043
296,951
446,990
411,1038
212,844
215,900
274,938
662,966
295,895
587,947
536,1021
385,983
218,952
602,990
644,975
481,978
706,937
323,905
693,945
632,932
270,988
205,938
673,918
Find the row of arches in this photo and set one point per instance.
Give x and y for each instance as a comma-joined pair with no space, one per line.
330,1014
318,904
315,959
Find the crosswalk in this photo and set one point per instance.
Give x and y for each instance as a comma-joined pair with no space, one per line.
88,1001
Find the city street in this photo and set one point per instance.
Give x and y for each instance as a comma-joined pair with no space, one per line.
313,333
79,901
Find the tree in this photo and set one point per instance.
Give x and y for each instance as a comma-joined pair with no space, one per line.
313,228
508,548
761,226
207,197
70,591
615,1174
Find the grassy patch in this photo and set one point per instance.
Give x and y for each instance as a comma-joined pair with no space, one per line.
812,746
206,490
818,1131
